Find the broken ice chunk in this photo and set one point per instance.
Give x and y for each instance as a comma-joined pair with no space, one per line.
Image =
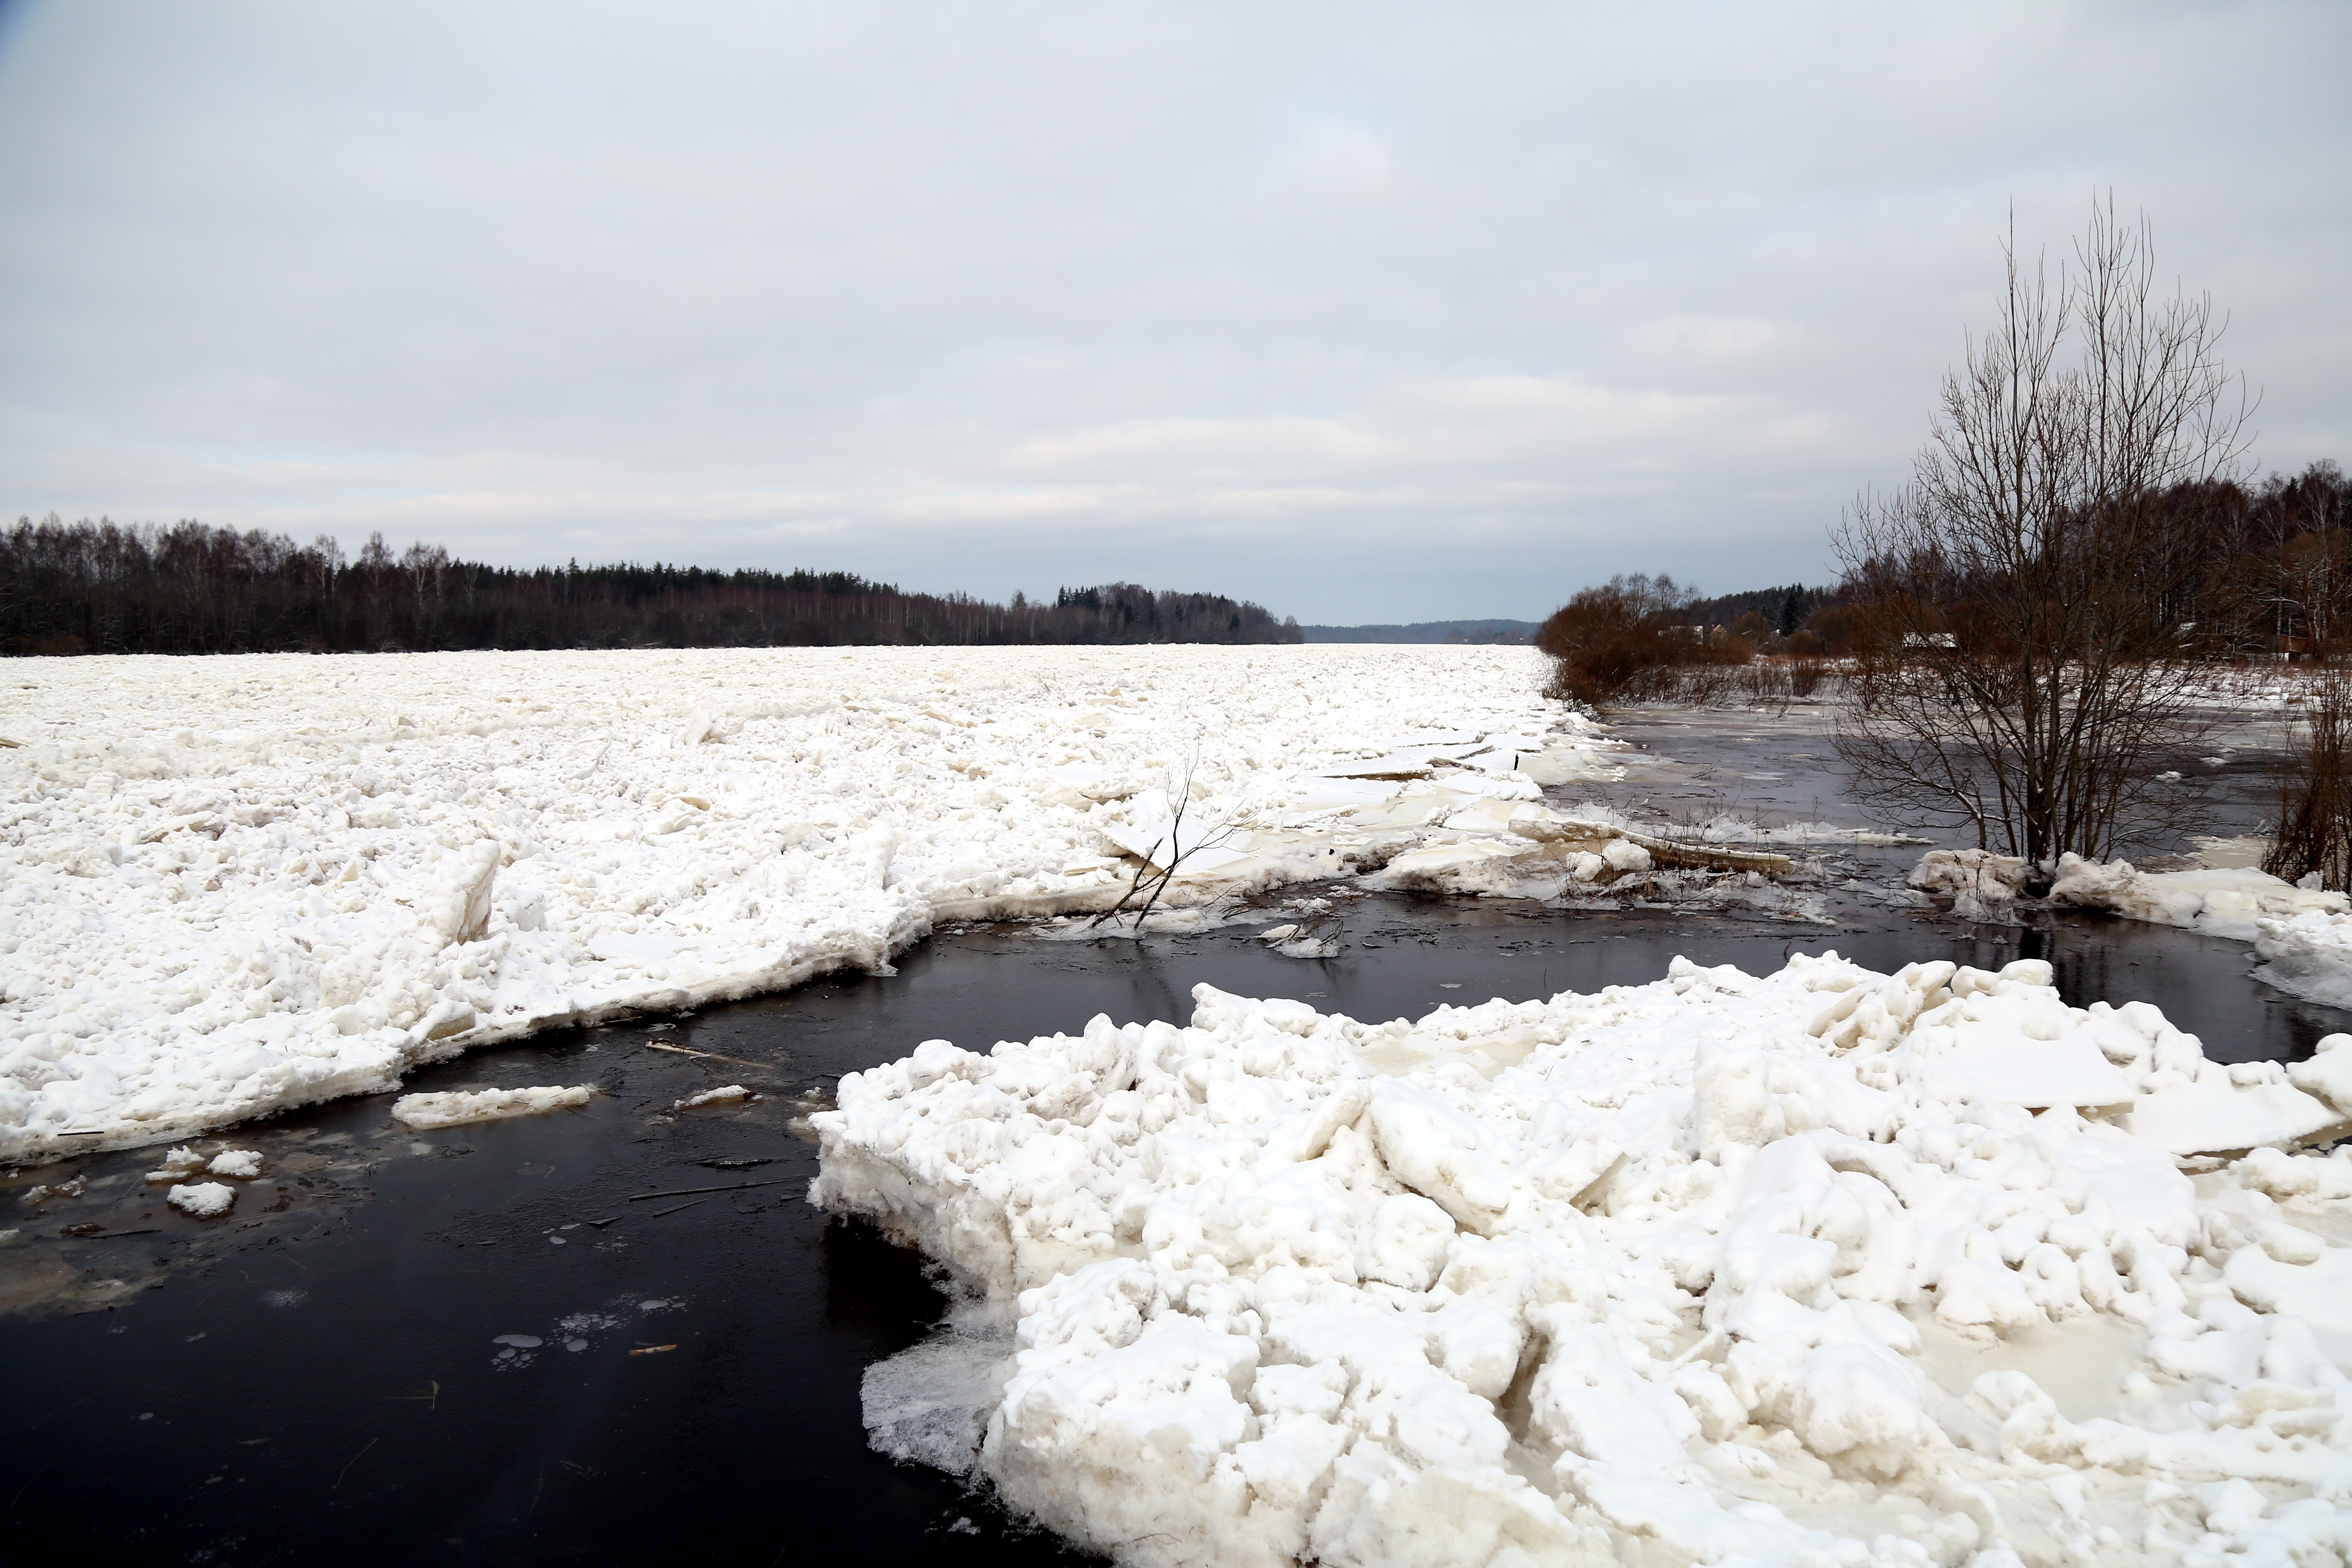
2213,1115
2328,1074
182,1161
1624,854
449,1109
461,912
243,1163
204,1200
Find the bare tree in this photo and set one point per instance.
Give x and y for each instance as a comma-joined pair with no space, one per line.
2023,601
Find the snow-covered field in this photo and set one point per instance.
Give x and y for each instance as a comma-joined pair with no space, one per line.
1820,1267
236,884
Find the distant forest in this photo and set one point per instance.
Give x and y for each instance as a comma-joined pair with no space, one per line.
106,587
1784,609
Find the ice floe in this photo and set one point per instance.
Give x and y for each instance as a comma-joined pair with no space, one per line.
2231,902
2301,934
203,1200
456,1107
1821,1267
230,885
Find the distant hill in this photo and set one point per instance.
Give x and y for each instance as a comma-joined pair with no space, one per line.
1428,631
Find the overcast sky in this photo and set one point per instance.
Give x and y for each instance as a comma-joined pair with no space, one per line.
1368,313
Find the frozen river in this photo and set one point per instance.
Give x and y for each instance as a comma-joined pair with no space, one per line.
473,1345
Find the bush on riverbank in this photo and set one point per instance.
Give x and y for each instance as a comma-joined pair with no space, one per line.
2312,828
1632,640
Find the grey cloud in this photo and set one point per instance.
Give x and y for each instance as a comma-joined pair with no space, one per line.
1366,312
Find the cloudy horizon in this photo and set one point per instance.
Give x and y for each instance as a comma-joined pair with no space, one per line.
1369,314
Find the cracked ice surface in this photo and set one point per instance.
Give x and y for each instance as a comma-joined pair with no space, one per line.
1825,1266
229,885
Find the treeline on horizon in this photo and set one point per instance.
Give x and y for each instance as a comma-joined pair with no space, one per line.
192,588
2261,571
2272,575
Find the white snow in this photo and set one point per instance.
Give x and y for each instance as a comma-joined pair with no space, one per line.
182,1161
2234,901
245,1164
2226,902
719,1096
2309,954
203,1200
458,1106
1721,1268
231,885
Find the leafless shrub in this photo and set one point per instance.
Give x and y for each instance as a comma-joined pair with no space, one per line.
1169,851
1631,640
1779,681
2312,830
2019,605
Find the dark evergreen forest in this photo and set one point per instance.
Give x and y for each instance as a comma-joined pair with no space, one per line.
106,587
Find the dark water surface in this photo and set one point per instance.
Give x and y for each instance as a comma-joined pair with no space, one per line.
318,1377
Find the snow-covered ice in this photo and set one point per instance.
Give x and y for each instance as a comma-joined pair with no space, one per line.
245,1164
2231,902
182,1161
230,885
1821,1266
1981,883
2308,953
453,1107
1731,828
204,1200
2302,934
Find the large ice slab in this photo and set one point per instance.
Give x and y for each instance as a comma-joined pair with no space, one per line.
230,885
2226,902
1778,1269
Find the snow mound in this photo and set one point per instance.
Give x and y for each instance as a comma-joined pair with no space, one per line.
1827,1266
245,1164
457,1106
232,885
182,1161
204,1200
